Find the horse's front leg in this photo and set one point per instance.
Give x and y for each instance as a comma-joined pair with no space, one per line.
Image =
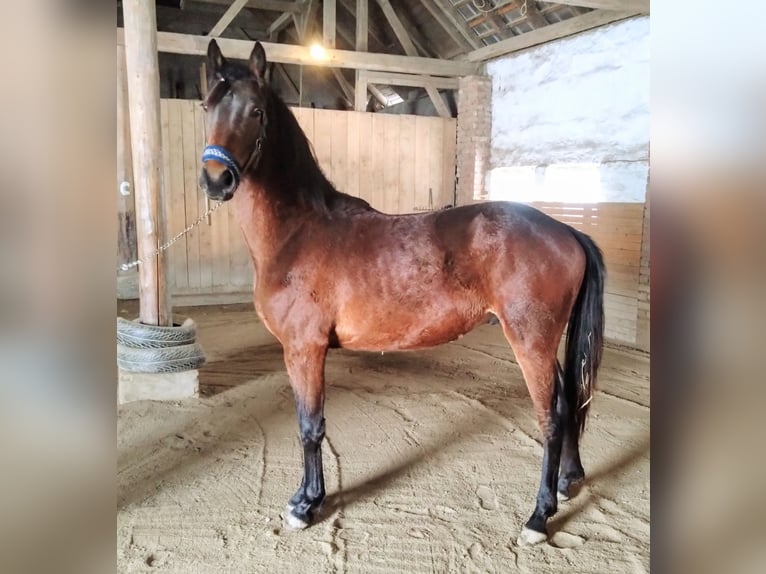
305,366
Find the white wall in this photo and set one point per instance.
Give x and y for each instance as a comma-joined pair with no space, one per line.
570,119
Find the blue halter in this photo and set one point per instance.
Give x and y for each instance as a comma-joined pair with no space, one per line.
223,156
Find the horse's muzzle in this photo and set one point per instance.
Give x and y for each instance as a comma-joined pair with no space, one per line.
219,185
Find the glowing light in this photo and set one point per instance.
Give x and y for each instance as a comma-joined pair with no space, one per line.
318,52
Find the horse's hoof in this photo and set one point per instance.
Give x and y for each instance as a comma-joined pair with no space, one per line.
529,537
292,521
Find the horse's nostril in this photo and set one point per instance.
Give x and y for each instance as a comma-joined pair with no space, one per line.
227,178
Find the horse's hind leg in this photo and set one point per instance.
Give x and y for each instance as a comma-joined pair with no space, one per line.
536,355
305,366
571,474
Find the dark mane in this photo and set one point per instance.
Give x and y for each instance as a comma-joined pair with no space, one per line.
289,166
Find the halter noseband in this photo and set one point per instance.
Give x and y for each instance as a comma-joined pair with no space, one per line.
222,155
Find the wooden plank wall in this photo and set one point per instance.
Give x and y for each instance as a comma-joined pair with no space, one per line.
398,163
617,228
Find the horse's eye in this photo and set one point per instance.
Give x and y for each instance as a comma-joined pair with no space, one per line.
257,112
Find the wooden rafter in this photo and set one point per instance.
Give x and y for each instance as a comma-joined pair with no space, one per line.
534,17
399,31
280,69
546,34
441,107
410,50
205,17
494,18
346,88
231,13
360,93
461,26
273,5
292,54
439,16
361,40
424,46
279,24
498,12
362,27
328,23
373,33
641,6
411,80
305,18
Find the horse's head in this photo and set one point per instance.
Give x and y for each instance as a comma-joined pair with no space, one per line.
235,109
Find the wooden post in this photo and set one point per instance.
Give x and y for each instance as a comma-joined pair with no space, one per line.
360,101
328,23
360,85
126,213
144,104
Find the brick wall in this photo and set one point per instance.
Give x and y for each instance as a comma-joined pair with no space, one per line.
474,126
642,324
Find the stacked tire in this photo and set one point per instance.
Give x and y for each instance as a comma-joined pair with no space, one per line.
158,349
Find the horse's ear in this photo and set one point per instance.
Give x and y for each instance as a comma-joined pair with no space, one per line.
258,63
215,59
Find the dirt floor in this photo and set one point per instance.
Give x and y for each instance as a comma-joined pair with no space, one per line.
432,463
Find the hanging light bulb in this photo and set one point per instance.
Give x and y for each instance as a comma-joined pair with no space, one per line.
317,51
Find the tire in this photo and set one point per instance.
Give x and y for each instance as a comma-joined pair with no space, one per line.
165,360
137,335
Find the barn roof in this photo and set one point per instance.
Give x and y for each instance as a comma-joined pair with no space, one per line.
473,30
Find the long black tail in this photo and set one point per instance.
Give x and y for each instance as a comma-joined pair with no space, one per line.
585,334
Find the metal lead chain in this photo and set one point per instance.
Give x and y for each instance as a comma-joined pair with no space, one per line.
164,246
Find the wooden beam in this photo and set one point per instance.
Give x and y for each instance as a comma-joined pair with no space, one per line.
127,249
441,107
362,40
410,50
461,27
547,34
439,16
373,32
641,6
277,25
361,25
273,5
328,23
411,80
360,93
346,34
307,20
228,16
396,25
288,80
423,45
146,145
346,88
534,17
204,17
292,54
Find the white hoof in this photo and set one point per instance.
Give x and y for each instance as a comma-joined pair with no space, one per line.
292,521
563,497
530,537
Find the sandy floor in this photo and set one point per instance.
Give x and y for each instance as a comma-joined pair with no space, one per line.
432,463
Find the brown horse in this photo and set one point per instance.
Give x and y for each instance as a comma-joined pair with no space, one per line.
331,271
